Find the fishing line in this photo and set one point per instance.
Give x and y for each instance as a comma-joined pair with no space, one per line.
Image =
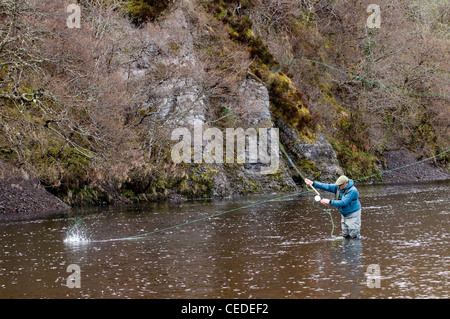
199,219
256,204
317,198
359,179
77,222
407,165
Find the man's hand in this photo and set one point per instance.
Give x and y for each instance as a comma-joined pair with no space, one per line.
309,182
325,201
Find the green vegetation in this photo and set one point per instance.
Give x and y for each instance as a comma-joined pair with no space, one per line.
196,182
143,11
83,110
286,101
354,162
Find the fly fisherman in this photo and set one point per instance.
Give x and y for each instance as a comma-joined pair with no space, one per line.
346,200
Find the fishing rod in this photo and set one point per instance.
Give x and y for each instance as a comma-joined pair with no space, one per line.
317,197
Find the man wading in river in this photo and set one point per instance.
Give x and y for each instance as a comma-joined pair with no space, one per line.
346,200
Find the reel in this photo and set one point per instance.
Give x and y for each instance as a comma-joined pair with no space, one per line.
317,198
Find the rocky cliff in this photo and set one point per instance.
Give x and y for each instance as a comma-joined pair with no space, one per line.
91,112
189,99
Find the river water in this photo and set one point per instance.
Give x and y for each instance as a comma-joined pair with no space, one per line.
278,249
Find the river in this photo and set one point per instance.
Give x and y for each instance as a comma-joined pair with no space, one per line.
278,249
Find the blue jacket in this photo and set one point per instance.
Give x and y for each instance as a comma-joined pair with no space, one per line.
347,204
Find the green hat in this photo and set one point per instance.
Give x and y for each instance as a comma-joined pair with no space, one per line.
341,180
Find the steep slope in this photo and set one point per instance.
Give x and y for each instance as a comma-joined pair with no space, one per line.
91,111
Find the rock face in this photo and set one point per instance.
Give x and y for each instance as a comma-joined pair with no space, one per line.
21,195
257,101
182,100
319,154
178,98
181,95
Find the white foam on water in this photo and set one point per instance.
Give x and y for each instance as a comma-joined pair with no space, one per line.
294,242
336,238
76,236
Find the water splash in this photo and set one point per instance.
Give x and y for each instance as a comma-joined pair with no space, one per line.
77,236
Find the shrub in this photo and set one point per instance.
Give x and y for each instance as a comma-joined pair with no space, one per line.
142,11
286,101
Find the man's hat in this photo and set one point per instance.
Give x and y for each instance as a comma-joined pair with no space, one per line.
341,180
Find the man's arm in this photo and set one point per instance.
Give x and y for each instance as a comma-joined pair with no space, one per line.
326,187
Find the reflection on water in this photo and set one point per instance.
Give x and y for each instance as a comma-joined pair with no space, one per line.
280,249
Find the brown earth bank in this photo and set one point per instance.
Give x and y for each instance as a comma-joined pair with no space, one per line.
398,171
23,196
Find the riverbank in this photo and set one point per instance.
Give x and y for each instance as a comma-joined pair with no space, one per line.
100,129
22,196
425,171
